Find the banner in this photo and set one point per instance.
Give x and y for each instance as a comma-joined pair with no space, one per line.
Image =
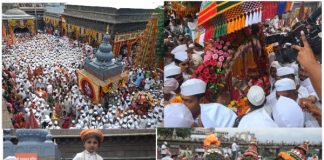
212,9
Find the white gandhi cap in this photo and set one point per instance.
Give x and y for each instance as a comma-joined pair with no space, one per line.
285,84
282,71
171,70
180,48
256,95
181,56
193,87
177,115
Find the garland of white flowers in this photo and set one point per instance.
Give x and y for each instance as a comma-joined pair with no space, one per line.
213,150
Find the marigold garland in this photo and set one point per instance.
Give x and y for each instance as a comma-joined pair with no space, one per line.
285,156
240,107
176,99
211,140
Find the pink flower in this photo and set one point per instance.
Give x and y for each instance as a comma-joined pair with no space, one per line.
221,42
207,63
207,57
220,52
218,46
214,78
225,48
209,52
207,76
213,50
199,68
221,58
259,83
206,81
228,43
213,63
226,54
217,40
219,64
215,56
206,71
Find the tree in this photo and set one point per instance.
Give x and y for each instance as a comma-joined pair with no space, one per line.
165,132
183,132
180,132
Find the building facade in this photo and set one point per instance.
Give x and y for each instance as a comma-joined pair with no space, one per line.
118,143
88,23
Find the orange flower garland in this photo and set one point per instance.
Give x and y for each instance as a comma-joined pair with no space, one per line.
210,140
240,107
285,156
176,99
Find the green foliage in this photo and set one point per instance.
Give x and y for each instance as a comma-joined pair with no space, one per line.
214,156
165,132
160,35
248,158
180,132
183,132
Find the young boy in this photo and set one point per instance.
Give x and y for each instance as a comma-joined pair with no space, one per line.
91,139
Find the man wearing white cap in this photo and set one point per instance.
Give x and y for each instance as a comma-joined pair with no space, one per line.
170,89
282,72
211,114
286,72
173,71
257,117
286,87
181,59
192,94
177,115
273,73
164,149
281,114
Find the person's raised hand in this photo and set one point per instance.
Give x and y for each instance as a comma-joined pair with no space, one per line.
305,54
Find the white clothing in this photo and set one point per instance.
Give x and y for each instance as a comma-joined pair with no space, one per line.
257,119
85,155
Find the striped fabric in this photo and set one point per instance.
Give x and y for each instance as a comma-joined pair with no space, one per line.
210,10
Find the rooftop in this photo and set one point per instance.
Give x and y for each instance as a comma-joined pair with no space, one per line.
16,13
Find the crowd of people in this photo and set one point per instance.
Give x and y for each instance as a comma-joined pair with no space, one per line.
40,88
293,98
212,149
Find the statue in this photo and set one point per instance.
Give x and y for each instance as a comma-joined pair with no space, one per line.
212,149
252,152
297,153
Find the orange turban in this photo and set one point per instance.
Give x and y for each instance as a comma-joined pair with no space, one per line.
96,132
